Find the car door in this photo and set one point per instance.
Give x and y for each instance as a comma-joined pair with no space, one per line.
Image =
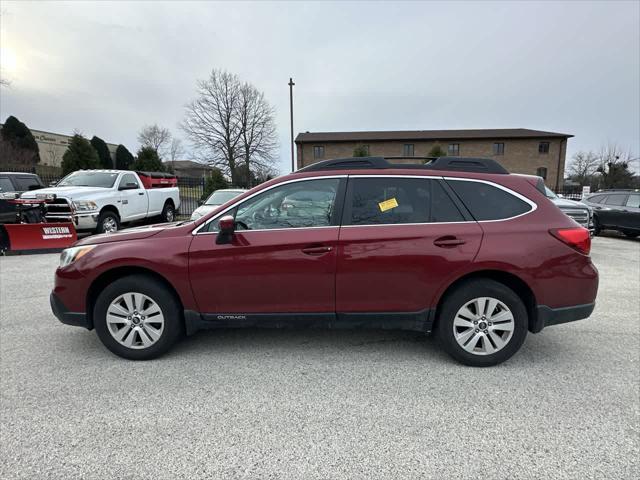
281,259
611,212
401,239
631,213
133,198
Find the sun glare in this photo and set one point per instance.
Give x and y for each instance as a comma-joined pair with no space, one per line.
8,60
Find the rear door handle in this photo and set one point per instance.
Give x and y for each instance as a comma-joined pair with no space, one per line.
448,241
316,249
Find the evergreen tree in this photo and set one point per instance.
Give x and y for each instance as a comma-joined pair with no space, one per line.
124,159
103,152
437,151
19,138
361,151
80,155
148,161
215,182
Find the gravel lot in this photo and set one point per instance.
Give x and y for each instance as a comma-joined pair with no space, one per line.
320,404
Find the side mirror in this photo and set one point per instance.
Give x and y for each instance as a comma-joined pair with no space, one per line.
53,184
226,227
128,186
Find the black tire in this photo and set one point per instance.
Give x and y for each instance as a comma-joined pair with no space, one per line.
161,295
631,234
105,219
461,296
596,227
168,212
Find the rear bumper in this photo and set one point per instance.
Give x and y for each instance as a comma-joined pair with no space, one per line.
62,313
547,316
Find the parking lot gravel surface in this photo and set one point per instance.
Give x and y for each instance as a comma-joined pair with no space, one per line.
310,404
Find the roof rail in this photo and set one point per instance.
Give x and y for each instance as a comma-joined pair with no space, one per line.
461,164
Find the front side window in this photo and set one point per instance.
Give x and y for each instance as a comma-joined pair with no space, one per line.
543,148
318,152
498,148
129,181
616,200
487,202
454,149
633,201
302,204
408,150
396,200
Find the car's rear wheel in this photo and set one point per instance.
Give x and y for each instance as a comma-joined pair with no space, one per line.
137,317
482,323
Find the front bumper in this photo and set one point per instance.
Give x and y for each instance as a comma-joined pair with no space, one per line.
81,221
547,316
62,313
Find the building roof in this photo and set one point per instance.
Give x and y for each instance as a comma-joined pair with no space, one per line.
188,164
498,133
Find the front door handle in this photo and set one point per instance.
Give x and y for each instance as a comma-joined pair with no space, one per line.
448,241
140,193
316,249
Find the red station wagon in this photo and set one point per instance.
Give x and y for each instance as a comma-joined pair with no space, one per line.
458,246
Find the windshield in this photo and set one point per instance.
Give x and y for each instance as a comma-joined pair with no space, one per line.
549,193
221,196
89,179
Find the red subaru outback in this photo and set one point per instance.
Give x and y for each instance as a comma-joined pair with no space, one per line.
458,246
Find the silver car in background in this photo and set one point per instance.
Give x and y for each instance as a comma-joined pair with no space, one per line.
581,213
216,199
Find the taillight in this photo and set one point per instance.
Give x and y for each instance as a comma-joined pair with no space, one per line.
577,238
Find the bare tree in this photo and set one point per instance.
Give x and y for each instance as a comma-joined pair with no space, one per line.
582,167
231,125
155,137
259,141
176,150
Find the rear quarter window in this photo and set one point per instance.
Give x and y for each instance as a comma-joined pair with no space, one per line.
488,202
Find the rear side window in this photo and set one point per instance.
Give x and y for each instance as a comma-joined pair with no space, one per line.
26,183
487,202
633,201
596,199
397,200
616,200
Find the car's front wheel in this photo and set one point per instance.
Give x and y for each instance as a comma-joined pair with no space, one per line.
482,323
137,317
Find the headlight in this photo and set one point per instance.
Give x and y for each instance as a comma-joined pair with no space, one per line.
196,215
70,255
85,205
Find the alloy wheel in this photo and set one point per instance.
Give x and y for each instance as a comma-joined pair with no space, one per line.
135,320
483,326
109,225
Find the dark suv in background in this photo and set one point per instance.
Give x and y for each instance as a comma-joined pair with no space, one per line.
616,210
15,182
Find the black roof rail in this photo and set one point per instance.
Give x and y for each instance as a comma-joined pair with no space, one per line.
460,164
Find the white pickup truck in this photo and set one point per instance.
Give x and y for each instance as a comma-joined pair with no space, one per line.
102,200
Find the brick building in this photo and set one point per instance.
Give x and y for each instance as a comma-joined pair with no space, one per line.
519,150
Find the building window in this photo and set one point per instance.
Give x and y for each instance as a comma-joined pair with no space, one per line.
498,148
543,147
454,149
542,172
318,152
408,150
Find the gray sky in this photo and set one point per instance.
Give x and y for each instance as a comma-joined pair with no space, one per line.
109,68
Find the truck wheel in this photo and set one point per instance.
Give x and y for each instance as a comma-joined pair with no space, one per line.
137,317
482,323
108,222
168,212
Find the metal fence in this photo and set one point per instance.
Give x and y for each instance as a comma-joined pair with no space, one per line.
191,188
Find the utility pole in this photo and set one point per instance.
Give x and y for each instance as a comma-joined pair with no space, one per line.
291,84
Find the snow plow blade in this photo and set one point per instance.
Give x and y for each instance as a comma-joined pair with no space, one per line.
31,237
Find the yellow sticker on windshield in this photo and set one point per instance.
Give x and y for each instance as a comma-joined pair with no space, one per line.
388,204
